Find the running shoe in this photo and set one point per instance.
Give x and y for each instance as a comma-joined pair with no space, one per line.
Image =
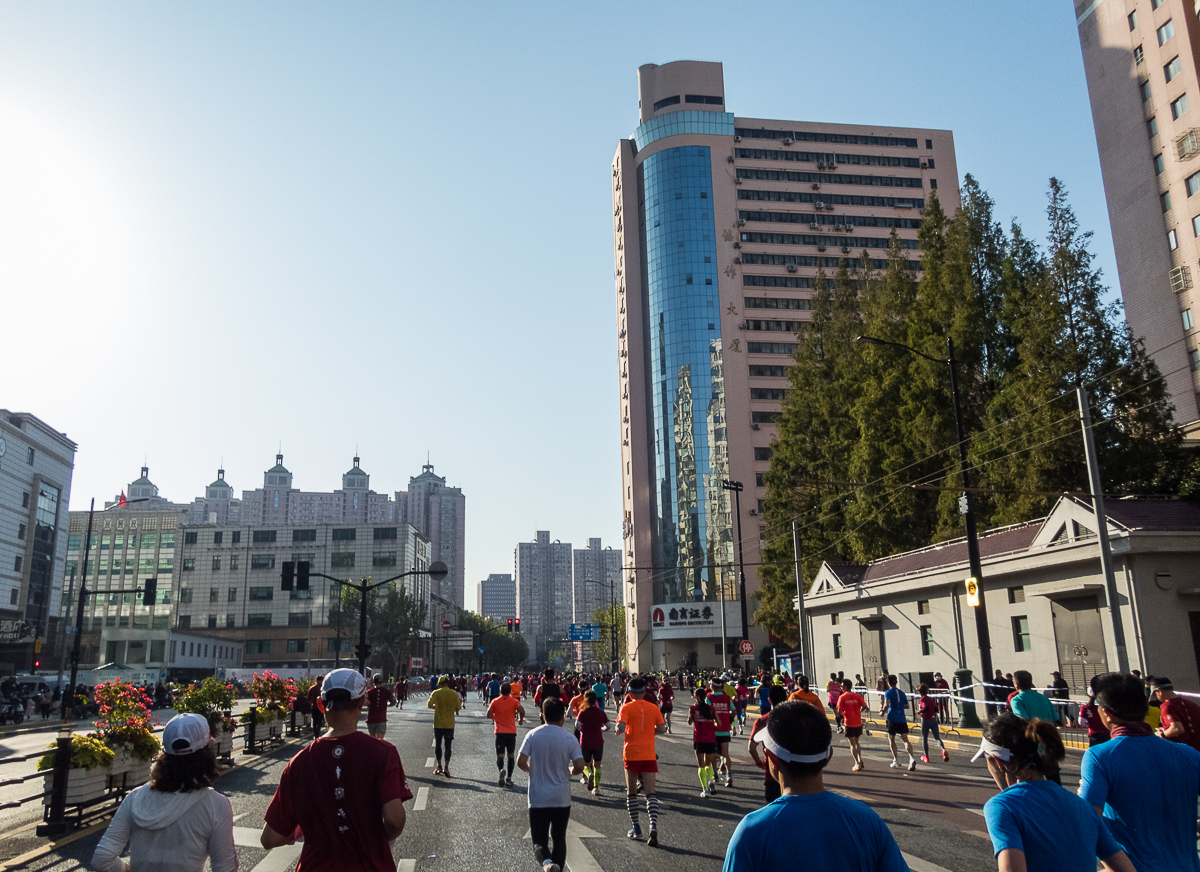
551,867
912,765
895,764
539,853
703,793
634,833
924,759
945,756
596,792
652,841
583,780
446,771
501,779
437,770
728,780
857,767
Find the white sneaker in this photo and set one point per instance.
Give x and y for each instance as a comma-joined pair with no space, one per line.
895,764
728,780
912,764
703,793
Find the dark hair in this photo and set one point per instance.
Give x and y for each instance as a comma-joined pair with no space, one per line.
1034,743
802,680
553,710
183,773
1122,696
847,684
505,688
800,729
590,699
702,705
338,700
922,688
776,694
891,680
549,673
1023,679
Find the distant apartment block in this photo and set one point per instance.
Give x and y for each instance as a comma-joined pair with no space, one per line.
439,512
498,597
597,573
545,593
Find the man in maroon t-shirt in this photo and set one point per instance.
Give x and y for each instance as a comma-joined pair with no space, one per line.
344,793
379,698
1179,718
314,707
401,691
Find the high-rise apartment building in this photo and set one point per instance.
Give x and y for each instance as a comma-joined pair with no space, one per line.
720,224
440,512
277,502
545,594
1140,59
36,464
597,579
498,597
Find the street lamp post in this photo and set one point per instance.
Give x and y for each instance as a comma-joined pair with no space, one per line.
968,718
736,487
612,619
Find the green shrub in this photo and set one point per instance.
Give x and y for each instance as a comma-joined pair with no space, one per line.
87,752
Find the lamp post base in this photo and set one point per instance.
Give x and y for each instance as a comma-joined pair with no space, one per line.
966,710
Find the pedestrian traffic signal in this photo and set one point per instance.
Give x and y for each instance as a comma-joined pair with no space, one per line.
289,575
362,652
150,594
517,625
301,575
510,624
36,664
973,592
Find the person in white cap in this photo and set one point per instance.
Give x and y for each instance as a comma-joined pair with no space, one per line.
176,821
797,742
1033,822
344,793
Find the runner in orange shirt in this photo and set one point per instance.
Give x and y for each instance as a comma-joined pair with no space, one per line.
507,713
803,694
640,721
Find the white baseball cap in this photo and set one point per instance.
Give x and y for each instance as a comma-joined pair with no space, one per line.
344,679
190,727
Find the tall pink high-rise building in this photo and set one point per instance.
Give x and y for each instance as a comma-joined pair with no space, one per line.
720,224
1142,75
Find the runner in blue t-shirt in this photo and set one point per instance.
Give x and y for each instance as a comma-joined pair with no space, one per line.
493,687
763,692
797,743
601,689
895,707
1145,787
1034,823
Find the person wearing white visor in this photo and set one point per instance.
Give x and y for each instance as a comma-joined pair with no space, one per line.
1034,824
177,821
797,743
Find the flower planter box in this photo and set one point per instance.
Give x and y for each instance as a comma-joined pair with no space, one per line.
305,719
83,785
222,743
274,729
122,761
138,774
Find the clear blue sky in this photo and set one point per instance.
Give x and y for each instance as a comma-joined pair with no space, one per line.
225,226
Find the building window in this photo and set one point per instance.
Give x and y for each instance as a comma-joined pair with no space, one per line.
933,184
385,532
262,561
189,564
837,646
663,104
233,594
345,534
20,531
1152,127
233,561
383,558
758,480
835,619
762,453
1179,106
1172,240
25,504
189,538
214,594
297,646
29,457
185,622
1154,4
1144,87
298,619
212,622
1166,32
229,622
1160,165
304,535
1173,69
1016,594
216,564
264,535
17,568
926,641
1139,56
185,595
342,561
159,622
1194,357
218,537
300,594
922,607
262,593
258,646
1187,319
1133,20
1020,625
258,619
1164,200
237,537
331,645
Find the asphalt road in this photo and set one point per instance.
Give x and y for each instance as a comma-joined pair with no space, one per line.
469,823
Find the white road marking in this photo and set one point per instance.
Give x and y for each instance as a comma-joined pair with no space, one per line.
430,762
916,864
279,859
975,808
406,866
246,837
422,799
579,859
242,815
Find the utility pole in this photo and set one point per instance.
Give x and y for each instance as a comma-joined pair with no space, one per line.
1106,562
736,487
805,661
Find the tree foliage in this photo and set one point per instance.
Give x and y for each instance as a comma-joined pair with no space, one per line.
602,651
1027,326
393,617
502,649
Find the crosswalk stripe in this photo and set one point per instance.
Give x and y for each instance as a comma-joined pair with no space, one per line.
279,859
916,864
406,866
422,799
430,762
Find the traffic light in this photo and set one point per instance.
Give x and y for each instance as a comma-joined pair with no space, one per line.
510,625
517,625
302,575
362,652
36,664
150,595
289,575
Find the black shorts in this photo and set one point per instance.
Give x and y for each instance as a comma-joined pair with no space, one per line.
897,728
596,754
667,708
704,747
853,732
722,739
506,742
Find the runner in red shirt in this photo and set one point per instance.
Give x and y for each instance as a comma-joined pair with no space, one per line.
591,723
850,706
1179,718
401,691
315,707
379,698
666,702
344,792
722,707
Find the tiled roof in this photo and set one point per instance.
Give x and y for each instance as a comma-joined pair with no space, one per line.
1003,542
1177,515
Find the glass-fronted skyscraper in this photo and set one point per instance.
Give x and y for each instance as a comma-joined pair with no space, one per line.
714,218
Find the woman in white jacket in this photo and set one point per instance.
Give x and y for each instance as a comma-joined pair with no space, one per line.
176,821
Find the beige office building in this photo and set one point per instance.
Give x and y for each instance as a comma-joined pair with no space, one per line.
719,226
1141,65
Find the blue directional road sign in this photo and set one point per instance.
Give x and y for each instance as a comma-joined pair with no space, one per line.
586,632
480,649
